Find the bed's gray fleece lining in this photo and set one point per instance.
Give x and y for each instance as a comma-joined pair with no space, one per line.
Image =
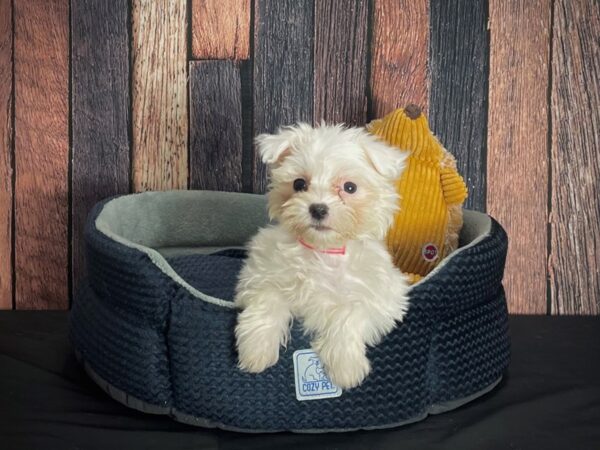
175,223
184,218
140,405
153,221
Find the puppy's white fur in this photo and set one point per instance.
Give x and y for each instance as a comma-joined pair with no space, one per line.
345,302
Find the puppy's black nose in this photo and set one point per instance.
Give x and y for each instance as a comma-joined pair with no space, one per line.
318,210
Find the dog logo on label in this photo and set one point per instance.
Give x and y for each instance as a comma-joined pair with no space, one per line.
312,382
314,372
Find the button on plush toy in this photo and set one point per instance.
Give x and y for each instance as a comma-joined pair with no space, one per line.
426,228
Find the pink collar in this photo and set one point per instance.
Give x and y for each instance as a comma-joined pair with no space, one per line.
329,251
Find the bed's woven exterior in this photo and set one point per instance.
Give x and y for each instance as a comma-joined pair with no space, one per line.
146,335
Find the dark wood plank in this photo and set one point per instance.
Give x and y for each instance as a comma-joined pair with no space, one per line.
6,147
159,95
575,218
221,29
341,61
100,111
399,55
41,153
215,126
283,69
459,69
247,99
517,159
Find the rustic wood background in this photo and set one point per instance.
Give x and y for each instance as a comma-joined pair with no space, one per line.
102,98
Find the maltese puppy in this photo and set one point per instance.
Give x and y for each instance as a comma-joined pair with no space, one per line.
332,197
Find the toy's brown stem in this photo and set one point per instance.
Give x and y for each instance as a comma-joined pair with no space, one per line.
412,111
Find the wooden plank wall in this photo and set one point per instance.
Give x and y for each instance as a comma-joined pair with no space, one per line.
574,158
283,69
170,94
340,58
518,143
100,112
6,163
216,126
159,94
399,54
221,29
458,96
41,67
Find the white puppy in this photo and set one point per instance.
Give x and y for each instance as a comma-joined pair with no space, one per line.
332,195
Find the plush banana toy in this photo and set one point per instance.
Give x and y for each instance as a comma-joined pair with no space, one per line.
426,228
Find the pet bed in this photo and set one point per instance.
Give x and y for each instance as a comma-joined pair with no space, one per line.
153,323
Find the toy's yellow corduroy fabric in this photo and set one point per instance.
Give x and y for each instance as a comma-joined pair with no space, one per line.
427,188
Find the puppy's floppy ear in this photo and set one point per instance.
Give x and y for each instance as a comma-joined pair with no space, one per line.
274,148
386,160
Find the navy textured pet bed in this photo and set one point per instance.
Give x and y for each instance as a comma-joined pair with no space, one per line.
153,324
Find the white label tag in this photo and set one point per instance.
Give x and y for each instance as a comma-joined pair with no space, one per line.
312,382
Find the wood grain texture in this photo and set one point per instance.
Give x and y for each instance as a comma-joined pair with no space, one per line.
221,29
100,112
246,82
215,126
6,163
41,153
283,69
159,97
341,61
458,58
575,218
517,144
399,55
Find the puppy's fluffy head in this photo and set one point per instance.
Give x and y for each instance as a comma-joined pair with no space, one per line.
331,184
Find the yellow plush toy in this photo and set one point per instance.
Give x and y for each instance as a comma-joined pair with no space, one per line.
432,192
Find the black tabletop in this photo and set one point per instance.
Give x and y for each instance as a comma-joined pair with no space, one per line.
549,399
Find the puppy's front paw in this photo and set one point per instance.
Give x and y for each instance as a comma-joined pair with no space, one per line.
346,367
258,347
399,297
255,360
400,309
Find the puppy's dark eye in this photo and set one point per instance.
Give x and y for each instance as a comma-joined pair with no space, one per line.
350,187
300,184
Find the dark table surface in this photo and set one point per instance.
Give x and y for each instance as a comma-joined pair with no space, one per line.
549,399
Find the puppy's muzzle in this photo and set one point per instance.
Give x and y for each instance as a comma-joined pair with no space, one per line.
318,211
